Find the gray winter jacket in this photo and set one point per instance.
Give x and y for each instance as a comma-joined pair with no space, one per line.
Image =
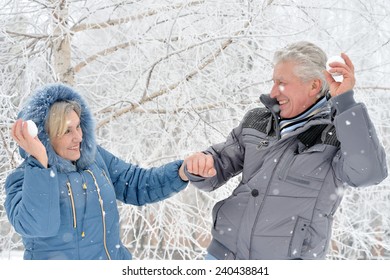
291,187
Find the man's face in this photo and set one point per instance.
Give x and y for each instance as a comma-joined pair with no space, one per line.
293,95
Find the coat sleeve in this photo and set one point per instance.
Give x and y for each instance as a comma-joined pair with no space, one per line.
361,160
228,162
32,200
139,186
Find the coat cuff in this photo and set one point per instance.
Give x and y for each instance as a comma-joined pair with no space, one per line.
343,101
191,177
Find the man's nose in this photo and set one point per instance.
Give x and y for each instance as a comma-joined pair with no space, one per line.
274,91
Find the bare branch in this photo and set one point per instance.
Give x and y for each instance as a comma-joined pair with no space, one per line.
114,22
10,154
145,98
31,36
105,52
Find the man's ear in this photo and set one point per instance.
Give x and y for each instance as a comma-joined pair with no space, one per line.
315,87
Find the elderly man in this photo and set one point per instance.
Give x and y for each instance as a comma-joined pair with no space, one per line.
296,154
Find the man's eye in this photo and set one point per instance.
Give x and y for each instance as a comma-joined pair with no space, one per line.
277,82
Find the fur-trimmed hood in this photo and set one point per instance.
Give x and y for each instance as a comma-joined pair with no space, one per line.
37,110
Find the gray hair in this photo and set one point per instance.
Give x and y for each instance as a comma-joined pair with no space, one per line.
310,59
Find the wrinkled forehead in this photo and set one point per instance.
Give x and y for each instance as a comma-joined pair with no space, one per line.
285,71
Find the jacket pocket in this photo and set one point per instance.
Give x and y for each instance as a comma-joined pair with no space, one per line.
228,213
310,241
216,210
298,238
309,167
255,141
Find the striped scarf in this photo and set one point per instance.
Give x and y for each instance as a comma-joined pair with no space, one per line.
289,125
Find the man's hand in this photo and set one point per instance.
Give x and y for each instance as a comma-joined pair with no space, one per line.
347,70
201,164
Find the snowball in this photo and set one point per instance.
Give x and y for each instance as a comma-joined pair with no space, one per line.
32,128
331,59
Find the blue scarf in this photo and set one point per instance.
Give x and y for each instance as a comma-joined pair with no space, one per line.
289,125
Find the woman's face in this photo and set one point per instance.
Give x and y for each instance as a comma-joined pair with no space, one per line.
67,146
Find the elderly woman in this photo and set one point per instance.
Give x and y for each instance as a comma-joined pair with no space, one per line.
62,198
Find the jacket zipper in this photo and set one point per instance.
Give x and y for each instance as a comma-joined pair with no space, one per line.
260,208
102,212
70,192
263,143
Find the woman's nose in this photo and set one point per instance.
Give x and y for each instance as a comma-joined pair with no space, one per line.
78,136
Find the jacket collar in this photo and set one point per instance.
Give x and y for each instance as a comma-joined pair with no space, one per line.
272,105
323,116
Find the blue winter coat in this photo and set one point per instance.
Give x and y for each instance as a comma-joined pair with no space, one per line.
69,211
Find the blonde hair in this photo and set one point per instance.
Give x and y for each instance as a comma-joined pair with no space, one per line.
56,124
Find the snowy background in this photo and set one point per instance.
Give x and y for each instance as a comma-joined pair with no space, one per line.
167,78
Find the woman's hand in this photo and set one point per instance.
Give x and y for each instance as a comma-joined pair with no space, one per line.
32,145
